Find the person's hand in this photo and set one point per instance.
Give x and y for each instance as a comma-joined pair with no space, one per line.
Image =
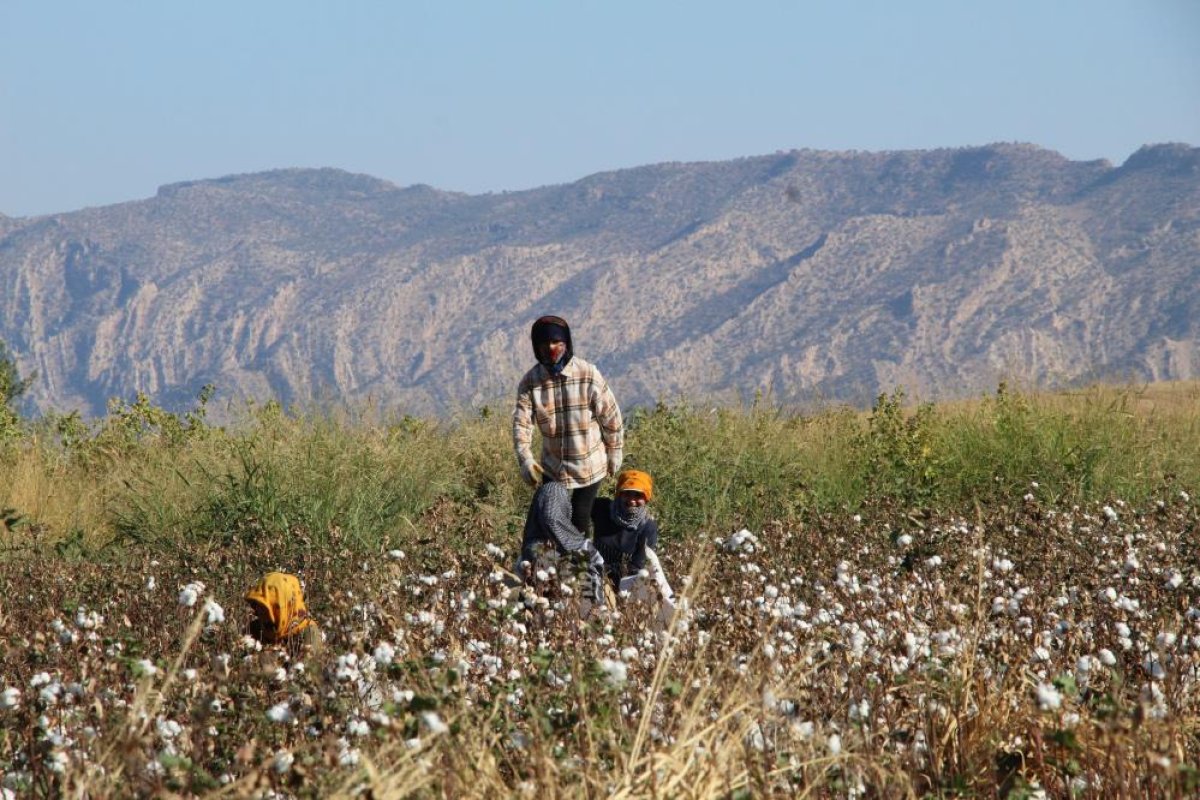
614,465
532,473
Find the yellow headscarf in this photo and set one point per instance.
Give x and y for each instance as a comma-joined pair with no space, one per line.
632,480
279,593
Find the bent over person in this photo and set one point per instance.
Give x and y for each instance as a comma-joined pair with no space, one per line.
280,615
549,522
574,409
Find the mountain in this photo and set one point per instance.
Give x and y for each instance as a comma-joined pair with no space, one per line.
804,274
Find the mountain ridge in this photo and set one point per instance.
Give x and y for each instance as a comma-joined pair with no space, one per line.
805,274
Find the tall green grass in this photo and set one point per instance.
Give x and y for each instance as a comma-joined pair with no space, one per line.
365,481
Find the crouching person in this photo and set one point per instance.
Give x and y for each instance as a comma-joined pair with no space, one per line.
627,535
280,616
549,521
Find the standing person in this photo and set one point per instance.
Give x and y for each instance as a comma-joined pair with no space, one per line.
577,414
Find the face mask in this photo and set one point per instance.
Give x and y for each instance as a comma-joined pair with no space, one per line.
628,516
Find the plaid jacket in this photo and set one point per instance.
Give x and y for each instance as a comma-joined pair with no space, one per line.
579,419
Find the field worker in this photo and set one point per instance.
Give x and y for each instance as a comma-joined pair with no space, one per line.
549,521
624,527
280,616
577,415
627,534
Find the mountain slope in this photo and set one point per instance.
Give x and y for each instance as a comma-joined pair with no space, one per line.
805,274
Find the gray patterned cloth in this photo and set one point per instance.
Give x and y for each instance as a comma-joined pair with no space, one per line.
549,520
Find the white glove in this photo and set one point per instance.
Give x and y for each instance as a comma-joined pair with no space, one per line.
532,473
614,464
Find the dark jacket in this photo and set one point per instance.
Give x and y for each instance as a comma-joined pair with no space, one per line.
624,550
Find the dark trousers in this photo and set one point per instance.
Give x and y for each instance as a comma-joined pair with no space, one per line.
582,499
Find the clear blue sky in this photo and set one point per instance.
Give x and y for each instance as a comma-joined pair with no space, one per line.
101,102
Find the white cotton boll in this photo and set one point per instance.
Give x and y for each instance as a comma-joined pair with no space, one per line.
396,555
49,694
88,621
1041,654
834,744
357,727
10,698
190,674
214,612
1110,514
168,728
755,739
904,540
144,666
1154,667
1002,565
933,561
383,654
58,762
1166,640
1174,579
1048,697
348,756
434,724
188,596
542,576
615,672
282,762
494,551
1123,630
280,713
629,654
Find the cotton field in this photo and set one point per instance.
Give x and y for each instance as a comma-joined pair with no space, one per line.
1029,650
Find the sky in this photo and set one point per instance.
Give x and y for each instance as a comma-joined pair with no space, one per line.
103,102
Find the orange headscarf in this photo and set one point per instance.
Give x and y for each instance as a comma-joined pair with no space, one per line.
632,480
280,594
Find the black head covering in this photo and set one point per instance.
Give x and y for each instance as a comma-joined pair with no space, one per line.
549,329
